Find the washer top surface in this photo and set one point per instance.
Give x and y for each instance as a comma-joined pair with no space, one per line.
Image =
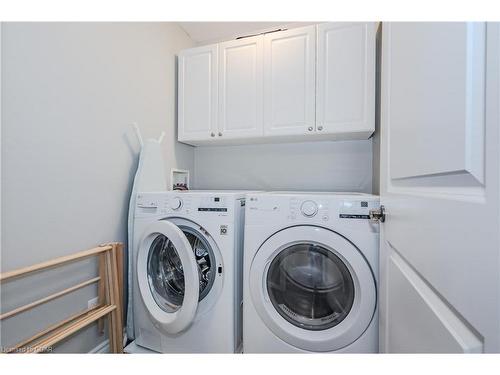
326,193
220,192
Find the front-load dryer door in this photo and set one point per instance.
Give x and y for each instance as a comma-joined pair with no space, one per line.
168,277
313,288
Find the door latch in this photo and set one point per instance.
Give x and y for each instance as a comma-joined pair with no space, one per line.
378,214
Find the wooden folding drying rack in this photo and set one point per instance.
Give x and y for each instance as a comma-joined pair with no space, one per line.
110,296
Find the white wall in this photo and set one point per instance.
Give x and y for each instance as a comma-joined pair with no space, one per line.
316,166
69,93
204,33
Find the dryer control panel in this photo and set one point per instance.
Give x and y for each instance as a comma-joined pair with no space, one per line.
313,208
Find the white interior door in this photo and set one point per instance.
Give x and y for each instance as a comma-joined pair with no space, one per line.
197,96
345,78
440,255
240,91
289,81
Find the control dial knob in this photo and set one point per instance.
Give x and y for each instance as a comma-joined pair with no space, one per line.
309,208
175,203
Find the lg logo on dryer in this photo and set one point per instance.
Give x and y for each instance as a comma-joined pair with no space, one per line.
223,230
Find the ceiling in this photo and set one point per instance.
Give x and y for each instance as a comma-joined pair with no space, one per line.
211,32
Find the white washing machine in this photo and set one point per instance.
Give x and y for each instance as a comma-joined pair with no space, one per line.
310,273
187,292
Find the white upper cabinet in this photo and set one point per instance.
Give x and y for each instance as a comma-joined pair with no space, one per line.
289,81
197,93
240,88
309,83
345,83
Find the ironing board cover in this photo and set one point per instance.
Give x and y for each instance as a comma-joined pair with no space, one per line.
150,176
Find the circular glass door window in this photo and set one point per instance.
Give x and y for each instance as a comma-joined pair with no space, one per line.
165,273
310,286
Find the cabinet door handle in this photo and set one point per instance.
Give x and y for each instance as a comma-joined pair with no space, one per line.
310,128
220,134
320,127
212,134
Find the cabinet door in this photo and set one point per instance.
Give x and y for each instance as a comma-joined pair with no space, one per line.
289,86
197,95
240,90
346,78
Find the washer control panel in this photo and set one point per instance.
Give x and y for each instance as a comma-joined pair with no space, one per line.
186,204
161,204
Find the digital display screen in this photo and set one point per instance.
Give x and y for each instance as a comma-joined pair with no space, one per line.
212,209
353,216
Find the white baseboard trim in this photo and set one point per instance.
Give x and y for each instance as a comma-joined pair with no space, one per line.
103,347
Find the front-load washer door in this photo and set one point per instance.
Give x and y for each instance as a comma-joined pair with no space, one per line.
209,260
313,288
168,276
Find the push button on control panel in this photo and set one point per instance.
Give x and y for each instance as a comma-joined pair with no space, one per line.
309,208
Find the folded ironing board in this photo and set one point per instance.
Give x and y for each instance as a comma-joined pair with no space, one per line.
150,176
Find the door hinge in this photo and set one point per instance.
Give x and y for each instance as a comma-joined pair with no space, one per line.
378,214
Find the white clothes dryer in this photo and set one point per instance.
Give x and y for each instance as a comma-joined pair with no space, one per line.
310,273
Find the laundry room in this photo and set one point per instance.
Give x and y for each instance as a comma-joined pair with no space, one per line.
235,185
